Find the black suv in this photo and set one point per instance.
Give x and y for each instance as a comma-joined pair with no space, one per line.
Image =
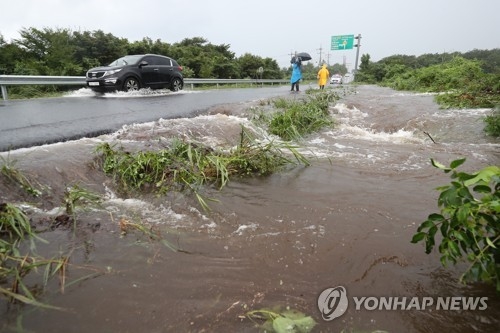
133,72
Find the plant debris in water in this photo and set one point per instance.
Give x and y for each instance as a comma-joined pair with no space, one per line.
286,321
16,176
189,166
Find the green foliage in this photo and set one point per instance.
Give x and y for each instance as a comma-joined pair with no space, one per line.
447,76
299,117
189,166
467,81
463,82
338,69
14,175
286,321
15,227
481,92
468,222
493,123
76,196
62,52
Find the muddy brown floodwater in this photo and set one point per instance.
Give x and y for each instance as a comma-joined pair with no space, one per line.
279,241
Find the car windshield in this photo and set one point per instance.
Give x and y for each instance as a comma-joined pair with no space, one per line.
127,60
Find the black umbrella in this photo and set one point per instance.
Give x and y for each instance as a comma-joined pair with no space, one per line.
304,56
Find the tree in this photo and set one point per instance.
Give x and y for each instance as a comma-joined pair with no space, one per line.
365,63
338,69
365,73
249,64
204,59
98,48
52,51
10,55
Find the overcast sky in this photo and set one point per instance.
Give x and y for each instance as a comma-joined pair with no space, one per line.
275,28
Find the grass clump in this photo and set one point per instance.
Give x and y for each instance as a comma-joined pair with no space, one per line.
187,165
14,175
15,228
299,117
76,196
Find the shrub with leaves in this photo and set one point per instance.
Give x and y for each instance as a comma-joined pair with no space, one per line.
468,222
493,123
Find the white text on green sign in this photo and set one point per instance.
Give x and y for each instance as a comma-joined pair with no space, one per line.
343,42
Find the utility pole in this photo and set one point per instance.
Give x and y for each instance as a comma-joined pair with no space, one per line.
320,53
358,45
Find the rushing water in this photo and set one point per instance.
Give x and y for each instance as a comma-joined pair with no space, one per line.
346,220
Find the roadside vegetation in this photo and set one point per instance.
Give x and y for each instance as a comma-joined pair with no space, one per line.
493,122
468,223
470,80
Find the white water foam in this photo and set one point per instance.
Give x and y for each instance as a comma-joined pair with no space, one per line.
86,92
452,113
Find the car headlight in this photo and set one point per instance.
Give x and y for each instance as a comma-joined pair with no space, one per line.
111,72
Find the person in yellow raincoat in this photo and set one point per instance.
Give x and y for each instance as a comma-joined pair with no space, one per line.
323,76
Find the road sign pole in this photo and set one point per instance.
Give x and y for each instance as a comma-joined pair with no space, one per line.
358,45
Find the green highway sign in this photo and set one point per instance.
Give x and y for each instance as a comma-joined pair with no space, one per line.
344,42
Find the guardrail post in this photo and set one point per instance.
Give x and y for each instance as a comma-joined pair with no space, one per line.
4,92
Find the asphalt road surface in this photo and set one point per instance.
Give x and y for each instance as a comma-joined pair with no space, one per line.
27,123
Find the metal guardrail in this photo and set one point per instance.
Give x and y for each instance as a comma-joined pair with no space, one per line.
17,80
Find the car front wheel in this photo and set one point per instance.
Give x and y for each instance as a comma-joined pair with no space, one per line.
176,85
131,84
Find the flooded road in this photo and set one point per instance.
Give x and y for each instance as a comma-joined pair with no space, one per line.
277,241
83,113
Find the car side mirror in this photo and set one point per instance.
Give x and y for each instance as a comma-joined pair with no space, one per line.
143,63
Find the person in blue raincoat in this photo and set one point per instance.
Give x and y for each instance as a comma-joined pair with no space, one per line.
296,72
